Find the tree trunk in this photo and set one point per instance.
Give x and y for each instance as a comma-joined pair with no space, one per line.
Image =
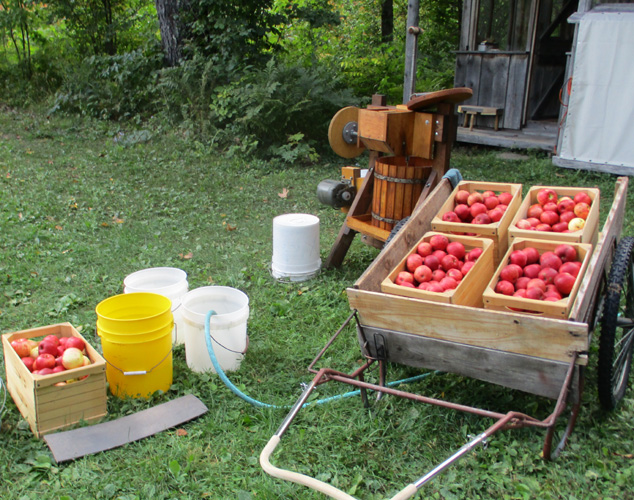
171,30
387,20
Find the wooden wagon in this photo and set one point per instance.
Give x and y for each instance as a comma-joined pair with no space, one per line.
535,354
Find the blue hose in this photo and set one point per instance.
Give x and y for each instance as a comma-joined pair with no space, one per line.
255,402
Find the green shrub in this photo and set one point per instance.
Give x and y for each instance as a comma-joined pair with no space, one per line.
112,87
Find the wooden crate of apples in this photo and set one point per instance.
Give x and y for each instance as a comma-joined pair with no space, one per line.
569,214
482,209
55,377
538,277
444,268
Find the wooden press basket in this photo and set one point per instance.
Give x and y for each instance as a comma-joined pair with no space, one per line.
398,183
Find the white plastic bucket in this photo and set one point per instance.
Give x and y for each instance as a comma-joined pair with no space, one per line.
295,247
228,327
169,282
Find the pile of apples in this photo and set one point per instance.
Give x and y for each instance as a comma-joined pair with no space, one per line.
52,354
559,215
548,276
437,265
477,207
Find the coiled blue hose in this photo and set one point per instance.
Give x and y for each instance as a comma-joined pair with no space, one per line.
255,402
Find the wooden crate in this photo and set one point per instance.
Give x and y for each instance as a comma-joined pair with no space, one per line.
497,231
469,290
586,235
559,309
45,405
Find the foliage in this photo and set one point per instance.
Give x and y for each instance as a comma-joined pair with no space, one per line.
80,210
267,108
231,34
111,87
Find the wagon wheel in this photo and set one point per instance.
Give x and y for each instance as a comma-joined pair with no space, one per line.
617,327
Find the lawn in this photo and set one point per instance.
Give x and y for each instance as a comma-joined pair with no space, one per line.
84,204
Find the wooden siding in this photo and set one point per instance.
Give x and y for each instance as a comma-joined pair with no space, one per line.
498,79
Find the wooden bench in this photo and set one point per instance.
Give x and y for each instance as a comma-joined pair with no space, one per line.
472,111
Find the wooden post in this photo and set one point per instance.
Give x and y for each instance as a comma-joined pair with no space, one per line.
409,82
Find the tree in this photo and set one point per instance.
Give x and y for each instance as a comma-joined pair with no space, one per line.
387,21
171,29
15,23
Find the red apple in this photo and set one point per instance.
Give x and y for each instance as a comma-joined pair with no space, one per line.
566,204
496,214
473,254
550,259
532,255
482,218
520,293
51,338
582,210
44,371
432,262
449,261
505,198
545,195
439,241
402,277
582,197
518,257
532,270
521,282
448,283
534,221
537,283
424,249
477,209
59,368
547,274
463,212
510,273
560,227
550,207
535,211
75,342
549,217
22,347
413,261
439,254
423,286
44,360
491,202
467,266
63,340
422,273
566,252
407,284
455,274
567,216
475,198
570,268
534,293
456,249
523,224
504,287
543,227
435,286
564,283
462,196
451,217
28,362
487,194
437,275
47,347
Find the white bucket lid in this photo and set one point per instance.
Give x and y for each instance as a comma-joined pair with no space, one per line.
230,305
170,282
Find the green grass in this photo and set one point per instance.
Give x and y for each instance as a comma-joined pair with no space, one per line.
83,204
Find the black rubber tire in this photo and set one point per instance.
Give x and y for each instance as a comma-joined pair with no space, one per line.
397,227
617,327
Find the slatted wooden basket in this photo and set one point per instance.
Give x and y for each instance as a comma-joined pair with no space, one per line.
56,401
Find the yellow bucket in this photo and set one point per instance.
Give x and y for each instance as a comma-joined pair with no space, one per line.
134,313
138,365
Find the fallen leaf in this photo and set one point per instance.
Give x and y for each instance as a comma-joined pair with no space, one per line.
229,227
210,279
284,193
117,220
8,176
59,228
105,224
186,256
181,432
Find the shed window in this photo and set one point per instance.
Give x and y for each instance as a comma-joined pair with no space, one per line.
503,24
